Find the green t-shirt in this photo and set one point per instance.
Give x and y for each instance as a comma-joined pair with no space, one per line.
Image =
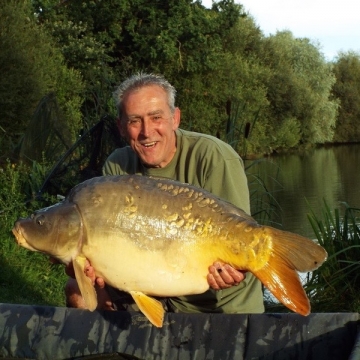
207,162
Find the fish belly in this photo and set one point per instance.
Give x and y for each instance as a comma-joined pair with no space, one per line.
173,272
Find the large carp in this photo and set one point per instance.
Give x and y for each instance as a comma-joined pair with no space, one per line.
158,237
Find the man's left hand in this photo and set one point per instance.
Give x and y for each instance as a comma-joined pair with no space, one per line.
223,276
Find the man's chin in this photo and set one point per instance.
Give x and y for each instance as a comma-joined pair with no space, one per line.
149,163
150,160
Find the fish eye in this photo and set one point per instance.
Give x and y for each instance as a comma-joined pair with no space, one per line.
40,220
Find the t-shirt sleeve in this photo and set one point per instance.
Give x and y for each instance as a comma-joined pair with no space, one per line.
122,161
224,174
228,181
112,165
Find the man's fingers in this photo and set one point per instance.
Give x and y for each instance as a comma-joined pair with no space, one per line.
89,272
212,282
100,283
223,276
236,275
219,278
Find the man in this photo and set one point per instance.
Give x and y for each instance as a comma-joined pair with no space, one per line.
149,121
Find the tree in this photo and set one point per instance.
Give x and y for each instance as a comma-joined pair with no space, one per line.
347,90
30,68
107,41
279,86
299,91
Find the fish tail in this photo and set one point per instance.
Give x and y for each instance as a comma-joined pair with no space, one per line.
284,283
289,255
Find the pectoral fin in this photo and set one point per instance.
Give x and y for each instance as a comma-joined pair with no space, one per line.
86,287
150,307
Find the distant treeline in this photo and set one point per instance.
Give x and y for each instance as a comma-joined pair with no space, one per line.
259,93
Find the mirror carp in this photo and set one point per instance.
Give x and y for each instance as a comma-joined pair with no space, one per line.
158,237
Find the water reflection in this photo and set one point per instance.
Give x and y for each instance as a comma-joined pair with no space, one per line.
302,182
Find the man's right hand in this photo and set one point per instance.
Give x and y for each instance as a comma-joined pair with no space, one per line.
74,298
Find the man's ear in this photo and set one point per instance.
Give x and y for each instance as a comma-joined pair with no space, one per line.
176,118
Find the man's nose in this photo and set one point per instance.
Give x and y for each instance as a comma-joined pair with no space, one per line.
146,127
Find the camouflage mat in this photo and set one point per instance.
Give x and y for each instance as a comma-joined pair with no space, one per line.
38,332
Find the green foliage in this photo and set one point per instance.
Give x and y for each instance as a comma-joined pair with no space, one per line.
78,32
197,49
299,90
347,90
30,67
288,136
47,134
26,277
12,180
212,56
107,41
236,79
238,132
263,179
335,285
19,184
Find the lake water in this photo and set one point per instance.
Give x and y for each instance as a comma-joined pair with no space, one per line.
301,183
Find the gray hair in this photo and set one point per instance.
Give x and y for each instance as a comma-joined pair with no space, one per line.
140,80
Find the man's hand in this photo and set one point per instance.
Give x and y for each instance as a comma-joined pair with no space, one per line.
223,276
89,272
72,291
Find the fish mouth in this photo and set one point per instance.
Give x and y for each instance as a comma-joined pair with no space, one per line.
20,239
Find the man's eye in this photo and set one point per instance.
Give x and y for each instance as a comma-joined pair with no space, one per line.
134,121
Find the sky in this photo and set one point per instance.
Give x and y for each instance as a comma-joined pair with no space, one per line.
335,25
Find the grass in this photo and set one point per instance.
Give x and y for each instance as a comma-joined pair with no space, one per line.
28,277
25,277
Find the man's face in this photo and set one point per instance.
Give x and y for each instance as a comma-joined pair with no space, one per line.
149,126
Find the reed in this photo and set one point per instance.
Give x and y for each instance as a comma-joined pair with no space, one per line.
334,287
